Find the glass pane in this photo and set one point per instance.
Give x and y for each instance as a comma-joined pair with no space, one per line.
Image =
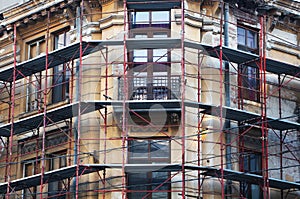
246,164
60,41
137,182
28,169
141,18
241,36
160,55
160,179
160,17
160,93
255,192
139,79
255,163
140,56
251,39
41,47
160,195
138,149
160,148
159,176
252,77
63,161
160,35
250,83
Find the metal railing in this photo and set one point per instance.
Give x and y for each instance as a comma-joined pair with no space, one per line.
151,88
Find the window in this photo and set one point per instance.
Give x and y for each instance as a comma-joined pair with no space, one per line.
53,160
252,164
141,183
30,168
150,74
155,19
150,68
247,40
34,87
250,160
249,88
57,189
61,73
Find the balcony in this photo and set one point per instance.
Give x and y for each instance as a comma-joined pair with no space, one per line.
151,88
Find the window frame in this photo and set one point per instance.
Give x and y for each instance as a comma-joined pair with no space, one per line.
247,89
246,46
250,152
35,170
60,192
34,86
150,62
150,23
149,179
31,158
61,73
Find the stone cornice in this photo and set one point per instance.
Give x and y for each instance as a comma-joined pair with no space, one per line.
287,6
27,13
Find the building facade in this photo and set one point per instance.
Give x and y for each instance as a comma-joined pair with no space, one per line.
149,99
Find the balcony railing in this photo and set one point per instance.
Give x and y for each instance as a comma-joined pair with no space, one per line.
151,88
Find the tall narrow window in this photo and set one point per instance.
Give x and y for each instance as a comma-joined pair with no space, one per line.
252,164
30,168
250,161
150,74
61,73
34,86
57,189
249,83
148,152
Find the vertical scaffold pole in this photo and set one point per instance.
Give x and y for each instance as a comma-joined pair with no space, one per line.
221,101
281,136
199,124
182,99
79,90
12,112
45,108
125,93
105,119
264,130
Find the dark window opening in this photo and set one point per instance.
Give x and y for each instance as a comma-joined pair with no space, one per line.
142,183
250,160
57,189
247,40
249,85
61,73
252,164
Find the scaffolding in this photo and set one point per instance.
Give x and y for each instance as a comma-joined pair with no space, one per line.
120,101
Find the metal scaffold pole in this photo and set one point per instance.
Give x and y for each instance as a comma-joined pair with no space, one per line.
281,134
221,101
105,120
12,115
124,110
264,129
79,90
183,98
45,108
